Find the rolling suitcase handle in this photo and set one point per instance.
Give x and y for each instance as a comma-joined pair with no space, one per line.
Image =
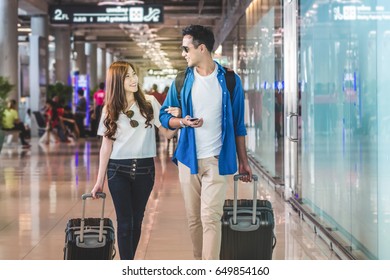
82,223
255,221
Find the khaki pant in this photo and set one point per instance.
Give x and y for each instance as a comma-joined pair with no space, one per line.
204,195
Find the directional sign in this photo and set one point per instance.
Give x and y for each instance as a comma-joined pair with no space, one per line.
90,14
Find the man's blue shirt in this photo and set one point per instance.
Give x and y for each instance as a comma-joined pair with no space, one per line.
232,122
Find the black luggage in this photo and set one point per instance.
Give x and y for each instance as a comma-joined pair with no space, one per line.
90,238
247,227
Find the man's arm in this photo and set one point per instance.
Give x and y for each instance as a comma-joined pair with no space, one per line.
170,101
243,164
240,131
184,122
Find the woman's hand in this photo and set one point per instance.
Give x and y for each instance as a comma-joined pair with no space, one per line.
174,111
97,188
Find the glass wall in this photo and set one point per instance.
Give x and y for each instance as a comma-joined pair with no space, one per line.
343,65
258,42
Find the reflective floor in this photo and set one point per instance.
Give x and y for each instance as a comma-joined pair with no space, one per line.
40,190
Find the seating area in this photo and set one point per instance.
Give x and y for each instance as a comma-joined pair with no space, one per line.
11,137
40,122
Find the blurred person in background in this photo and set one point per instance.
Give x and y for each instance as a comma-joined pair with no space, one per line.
11,121
98,102
81,112
154,91
69,121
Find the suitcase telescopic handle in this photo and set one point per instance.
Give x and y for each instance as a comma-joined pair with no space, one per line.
255,178
101,224
98,194
239,176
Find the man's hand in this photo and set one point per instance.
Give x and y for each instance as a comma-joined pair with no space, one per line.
194,123
246,171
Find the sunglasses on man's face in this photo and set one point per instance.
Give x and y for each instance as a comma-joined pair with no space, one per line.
130,114
185,49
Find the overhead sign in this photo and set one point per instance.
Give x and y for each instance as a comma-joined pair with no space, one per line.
360,12
89,14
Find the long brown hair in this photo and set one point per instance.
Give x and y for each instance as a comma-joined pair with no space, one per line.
115,99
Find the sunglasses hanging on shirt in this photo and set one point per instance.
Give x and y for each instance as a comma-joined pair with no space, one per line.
130,114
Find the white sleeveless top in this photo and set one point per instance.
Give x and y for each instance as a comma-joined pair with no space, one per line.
134,142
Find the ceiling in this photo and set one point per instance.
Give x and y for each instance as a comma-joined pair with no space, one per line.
124,41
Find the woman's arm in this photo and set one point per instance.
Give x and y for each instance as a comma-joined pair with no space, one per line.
104,156
168,133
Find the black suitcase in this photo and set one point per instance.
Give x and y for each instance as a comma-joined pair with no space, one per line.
247,227
90,238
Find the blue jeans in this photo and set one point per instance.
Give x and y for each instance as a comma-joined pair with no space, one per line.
130,182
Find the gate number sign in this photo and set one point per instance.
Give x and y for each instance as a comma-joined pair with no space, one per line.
88,14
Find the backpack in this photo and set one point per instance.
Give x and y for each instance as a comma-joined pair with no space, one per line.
229,77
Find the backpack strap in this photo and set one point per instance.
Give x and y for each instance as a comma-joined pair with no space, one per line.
230,82
179,82
229,77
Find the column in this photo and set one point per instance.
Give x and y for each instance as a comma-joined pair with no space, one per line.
9,44
38,62
62,55
109,58
101,64
81,60
91,51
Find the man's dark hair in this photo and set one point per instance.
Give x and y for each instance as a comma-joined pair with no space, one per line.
101,85
200,35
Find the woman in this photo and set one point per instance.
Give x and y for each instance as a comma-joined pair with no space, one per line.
127,151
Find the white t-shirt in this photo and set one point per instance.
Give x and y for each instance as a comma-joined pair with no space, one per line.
207,104
134,142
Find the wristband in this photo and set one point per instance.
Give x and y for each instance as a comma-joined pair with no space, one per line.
182,124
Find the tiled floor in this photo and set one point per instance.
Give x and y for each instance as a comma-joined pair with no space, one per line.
40,191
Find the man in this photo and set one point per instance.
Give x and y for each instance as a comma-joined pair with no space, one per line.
212,137
164,94
81,112
98,103
154,91
11,121
69,121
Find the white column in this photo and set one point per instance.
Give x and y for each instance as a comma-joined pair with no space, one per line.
38,62
109,59
39,26
101,64
9,44
91,51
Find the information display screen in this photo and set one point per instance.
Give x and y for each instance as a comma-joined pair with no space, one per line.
91,14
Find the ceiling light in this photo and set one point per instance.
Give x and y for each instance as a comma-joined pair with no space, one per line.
24,29
145,39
